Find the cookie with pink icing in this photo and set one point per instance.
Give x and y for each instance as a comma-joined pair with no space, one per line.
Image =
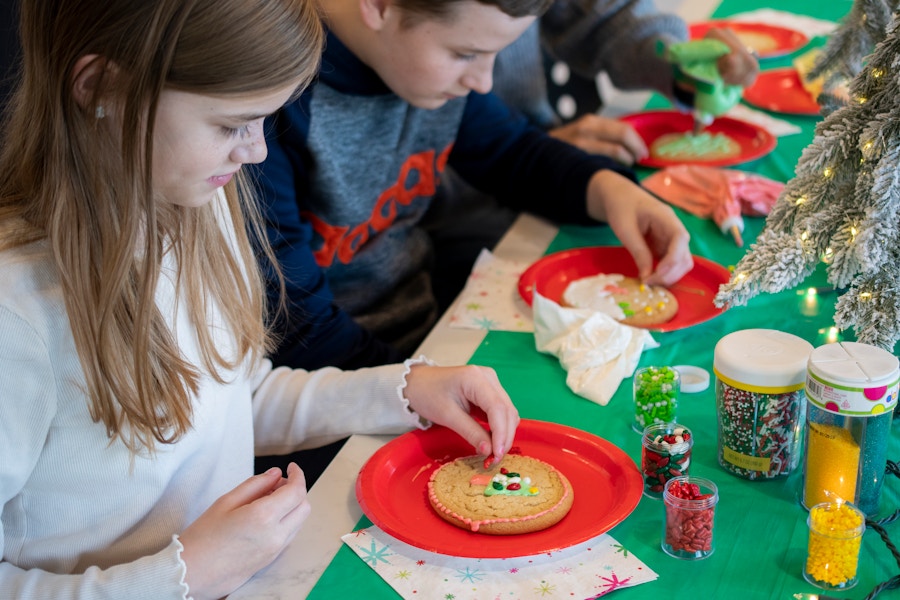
520,495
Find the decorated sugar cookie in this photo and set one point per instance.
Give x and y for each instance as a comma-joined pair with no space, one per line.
520,495
625,299
691,147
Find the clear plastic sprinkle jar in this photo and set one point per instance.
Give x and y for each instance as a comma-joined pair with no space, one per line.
656,392
665,454
690,516
852,392
760,402
835,534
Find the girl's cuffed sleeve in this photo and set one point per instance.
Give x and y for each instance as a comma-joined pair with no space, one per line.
296,409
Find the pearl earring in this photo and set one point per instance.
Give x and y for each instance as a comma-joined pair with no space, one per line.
100,112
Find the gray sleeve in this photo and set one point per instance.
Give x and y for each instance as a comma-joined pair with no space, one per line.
616,36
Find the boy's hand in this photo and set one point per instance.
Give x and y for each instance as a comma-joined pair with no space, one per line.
739,67
648,228
443,395
601,135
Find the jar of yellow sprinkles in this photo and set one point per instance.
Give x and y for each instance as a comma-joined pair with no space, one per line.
852,390
835,534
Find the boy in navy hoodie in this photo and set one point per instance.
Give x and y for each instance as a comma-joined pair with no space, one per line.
354,163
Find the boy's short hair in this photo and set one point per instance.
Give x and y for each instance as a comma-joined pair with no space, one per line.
417,10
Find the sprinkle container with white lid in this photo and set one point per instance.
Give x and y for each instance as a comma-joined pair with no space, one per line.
760,401
852,390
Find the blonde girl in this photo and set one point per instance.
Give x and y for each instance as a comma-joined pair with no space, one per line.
133,385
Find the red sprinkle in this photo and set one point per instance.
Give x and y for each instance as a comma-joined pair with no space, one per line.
687,491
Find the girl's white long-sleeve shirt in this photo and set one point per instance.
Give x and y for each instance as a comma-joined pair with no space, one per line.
82,517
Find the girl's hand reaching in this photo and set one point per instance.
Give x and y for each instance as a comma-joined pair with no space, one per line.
444,396
243,531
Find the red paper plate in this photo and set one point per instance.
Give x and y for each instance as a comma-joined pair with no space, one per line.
392,490
754,141
769,41
695,291
781,91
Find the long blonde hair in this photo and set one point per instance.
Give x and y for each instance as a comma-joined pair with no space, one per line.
67,179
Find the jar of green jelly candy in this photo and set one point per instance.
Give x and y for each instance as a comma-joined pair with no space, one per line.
656,392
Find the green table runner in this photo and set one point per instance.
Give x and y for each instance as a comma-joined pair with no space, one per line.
760,530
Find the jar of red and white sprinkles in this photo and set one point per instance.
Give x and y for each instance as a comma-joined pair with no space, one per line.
760,401
665,453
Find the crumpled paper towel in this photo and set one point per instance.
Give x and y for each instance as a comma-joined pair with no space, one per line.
596,351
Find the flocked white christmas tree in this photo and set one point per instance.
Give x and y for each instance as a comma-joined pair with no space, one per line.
842,207
842,57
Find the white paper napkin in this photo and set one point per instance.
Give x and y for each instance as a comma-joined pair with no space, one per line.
491,298
596,351
809,26
775,126
588,570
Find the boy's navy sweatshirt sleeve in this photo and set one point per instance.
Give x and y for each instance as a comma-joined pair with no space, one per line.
312,331
502,153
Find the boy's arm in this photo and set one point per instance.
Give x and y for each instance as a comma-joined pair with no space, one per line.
312,332
501,153
526,168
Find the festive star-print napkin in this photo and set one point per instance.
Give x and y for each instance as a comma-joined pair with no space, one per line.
491,298
585,571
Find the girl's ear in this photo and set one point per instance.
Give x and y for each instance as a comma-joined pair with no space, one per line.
374,12
87,74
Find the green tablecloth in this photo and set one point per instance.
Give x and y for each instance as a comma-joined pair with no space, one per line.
761,532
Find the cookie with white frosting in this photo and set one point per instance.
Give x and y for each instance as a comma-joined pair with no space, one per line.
623,298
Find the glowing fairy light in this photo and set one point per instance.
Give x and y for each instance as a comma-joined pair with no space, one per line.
828,172
865,296
804,236
810,304
829,335
800,200
877,72
853,232
862,100
827,256
740,277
